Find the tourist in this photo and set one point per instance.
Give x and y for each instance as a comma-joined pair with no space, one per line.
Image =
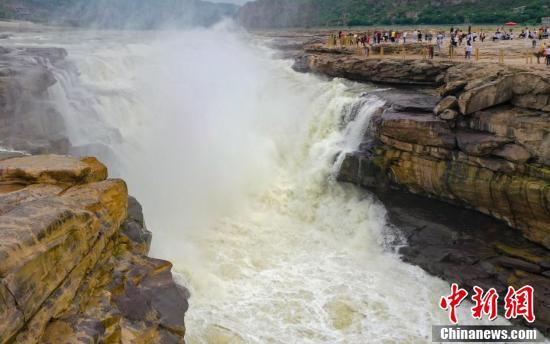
547,54
439,41
405,37
419,36
454,42
469,49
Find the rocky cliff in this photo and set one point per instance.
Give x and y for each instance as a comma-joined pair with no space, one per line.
480,140
74,265
474,135
73,244
484,145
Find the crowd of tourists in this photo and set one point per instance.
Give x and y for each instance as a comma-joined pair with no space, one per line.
378,37
435,39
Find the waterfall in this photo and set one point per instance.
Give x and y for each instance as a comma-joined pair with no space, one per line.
231,154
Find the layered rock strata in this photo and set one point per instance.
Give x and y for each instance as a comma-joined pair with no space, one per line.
481,139
485,145
73,264
471,249
348,64
473,135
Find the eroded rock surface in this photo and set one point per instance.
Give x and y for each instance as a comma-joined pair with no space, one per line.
468,248
356,67
484,144
73,264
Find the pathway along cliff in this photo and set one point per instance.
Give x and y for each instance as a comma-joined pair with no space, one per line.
234,157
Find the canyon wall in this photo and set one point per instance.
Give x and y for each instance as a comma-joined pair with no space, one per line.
481,139
476,136
485,145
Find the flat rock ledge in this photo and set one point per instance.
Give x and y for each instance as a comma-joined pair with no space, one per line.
73,258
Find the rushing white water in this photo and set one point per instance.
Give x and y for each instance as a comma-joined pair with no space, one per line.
232,155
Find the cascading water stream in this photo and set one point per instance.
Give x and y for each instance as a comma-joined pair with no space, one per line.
232,155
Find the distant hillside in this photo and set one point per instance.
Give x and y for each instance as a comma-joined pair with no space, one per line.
303,13
141,14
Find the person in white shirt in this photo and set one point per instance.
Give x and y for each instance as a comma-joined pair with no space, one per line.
439,41
469,49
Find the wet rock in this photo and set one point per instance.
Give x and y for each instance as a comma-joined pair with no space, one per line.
419,129
520,201
513,152
479,144
404,101
301,64
466,247
135,229
519,264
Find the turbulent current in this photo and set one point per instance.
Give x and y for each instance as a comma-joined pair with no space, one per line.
233,155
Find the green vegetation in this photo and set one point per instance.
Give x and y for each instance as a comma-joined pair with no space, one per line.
302,13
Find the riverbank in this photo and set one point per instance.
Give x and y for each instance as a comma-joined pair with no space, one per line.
473,135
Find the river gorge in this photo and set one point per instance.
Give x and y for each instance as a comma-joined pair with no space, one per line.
235,158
